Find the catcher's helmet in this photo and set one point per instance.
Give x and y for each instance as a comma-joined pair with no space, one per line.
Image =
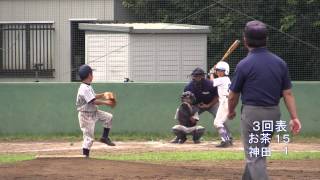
84,71
188,97
223,66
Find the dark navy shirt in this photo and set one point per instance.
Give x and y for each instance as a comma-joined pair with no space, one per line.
205,94
260,78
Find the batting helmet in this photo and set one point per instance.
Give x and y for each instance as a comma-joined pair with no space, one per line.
223,66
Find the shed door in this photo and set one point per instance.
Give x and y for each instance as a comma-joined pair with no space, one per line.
107,54
117,56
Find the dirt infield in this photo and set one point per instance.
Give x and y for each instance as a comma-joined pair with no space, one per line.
82,168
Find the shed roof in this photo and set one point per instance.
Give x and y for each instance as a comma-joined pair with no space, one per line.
146,28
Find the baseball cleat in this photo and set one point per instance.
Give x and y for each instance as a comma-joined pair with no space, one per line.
175,140
196,141
178,140
107,141
85,152
231,141
181,141
224,144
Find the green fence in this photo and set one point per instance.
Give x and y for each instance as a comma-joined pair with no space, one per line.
49,108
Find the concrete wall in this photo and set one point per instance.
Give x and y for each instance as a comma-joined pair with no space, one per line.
49,108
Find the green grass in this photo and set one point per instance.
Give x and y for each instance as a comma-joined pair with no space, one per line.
12,158
126,136
175,156
35,137
206,156
133,136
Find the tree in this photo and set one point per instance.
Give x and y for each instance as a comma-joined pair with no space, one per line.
294,26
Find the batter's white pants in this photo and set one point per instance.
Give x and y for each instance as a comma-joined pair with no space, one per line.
222,113
87,121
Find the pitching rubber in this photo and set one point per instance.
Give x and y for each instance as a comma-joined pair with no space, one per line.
59,156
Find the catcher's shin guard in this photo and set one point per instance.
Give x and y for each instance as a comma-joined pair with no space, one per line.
181,136
197,134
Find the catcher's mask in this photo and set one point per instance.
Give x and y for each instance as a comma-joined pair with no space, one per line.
188,97
198,76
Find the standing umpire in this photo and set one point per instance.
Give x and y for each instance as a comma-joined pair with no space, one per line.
262,78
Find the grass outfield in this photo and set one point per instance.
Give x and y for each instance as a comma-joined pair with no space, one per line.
206,156
12,158
305,138
175,156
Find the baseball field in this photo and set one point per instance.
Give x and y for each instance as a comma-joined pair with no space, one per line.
59,159
29,148
145,52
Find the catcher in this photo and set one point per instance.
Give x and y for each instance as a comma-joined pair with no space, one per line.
89,114
187,117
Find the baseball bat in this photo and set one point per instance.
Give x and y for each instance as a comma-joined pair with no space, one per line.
230,50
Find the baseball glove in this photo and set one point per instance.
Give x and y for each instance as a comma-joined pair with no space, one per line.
188,97
109,96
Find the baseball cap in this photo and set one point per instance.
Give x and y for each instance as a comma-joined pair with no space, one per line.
197,71
84,71
255,30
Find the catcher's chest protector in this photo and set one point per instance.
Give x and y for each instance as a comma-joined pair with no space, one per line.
185,113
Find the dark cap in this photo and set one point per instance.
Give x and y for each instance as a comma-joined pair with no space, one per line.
84,71
255,30
198,71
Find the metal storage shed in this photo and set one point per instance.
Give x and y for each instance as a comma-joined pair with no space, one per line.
151,52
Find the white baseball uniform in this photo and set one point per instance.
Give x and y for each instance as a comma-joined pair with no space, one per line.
223,84
89,114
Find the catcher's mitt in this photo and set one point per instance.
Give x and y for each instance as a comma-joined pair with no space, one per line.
188,97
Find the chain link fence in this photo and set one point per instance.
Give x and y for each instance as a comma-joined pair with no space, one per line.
294,27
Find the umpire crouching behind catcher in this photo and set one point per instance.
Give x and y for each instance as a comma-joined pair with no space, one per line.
205,93
261,78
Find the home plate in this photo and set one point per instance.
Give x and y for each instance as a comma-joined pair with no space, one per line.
59,156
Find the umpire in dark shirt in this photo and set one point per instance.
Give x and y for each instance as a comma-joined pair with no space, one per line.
206,95
261,78
207,98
